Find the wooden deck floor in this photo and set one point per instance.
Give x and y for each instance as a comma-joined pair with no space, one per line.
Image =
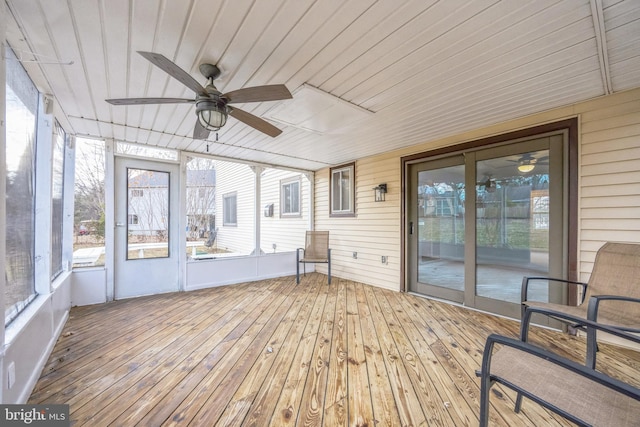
273,353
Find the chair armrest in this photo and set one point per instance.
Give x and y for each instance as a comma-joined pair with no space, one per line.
526,320
594,305
526,279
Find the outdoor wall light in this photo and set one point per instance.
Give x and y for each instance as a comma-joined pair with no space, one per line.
380,192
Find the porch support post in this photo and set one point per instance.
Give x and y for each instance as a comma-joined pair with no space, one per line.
257,170
311,176
109,217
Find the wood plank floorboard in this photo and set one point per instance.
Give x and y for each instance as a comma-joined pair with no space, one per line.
273,353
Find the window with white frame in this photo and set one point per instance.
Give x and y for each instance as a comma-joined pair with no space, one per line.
230,209
343,190
290,197
133,219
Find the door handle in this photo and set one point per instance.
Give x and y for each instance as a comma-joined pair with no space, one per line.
411,227
119,224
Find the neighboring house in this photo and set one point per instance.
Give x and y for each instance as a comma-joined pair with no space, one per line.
147,208
284,211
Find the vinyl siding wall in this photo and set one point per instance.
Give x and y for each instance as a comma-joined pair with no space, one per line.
609,190
240,179
373,233
287,233
610,174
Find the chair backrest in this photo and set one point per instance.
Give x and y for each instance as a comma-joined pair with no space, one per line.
316,244
616,271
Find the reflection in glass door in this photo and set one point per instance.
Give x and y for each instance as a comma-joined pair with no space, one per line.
439,230
512,224
477,223
147,214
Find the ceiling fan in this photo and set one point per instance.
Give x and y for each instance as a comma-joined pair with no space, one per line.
526,163
489,184
212,106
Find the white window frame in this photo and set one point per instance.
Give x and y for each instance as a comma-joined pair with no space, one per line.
295,211
133,219
336,206
226,220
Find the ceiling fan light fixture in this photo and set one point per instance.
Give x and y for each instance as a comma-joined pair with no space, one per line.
526,167
212,115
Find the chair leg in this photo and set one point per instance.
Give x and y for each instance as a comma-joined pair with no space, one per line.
297,268
592,348
518,403
329,265
485,387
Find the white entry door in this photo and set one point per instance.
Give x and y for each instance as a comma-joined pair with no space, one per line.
146,235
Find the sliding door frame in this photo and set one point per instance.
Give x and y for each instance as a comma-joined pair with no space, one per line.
569,126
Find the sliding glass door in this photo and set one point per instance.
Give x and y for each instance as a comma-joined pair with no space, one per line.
479,221
438,228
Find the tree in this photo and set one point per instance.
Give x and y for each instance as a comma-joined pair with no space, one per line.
89,186
200,197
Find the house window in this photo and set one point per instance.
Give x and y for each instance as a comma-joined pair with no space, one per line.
133,219
343,190
230,209
290,198
137,193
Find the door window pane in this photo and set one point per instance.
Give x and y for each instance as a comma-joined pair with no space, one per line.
441,227
148,214
512,224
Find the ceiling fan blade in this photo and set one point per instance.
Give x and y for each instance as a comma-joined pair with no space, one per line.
145,101
254,121
199,131
169,67
258,94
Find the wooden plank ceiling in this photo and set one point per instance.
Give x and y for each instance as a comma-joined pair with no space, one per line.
425,69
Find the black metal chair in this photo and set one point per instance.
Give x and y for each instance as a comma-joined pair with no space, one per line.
614,281
577,392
